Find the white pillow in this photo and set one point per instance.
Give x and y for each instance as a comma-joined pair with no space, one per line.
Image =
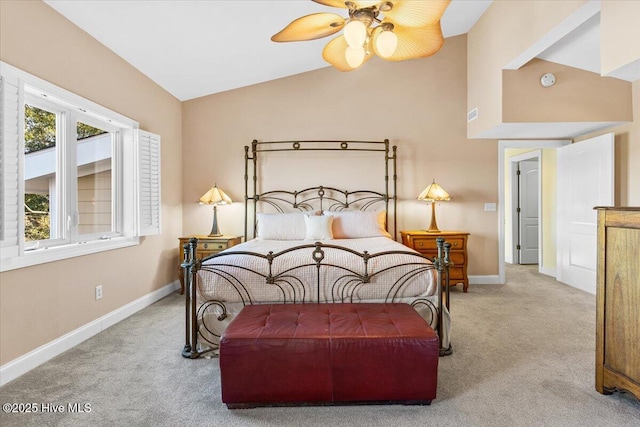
358,224
281,226
318,227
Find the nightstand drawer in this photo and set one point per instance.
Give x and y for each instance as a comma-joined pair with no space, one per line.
455,274
425,243
421,243
457,258
207,246
212,246
204,254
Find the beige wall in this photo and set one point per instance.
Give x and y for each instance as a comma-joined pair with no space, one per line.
619,34
577,95
419,105
504,31
39,304
627,155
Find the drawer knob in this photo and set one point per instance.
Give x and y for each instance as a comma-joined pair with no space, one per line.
220,246
206,245
455,244
420,244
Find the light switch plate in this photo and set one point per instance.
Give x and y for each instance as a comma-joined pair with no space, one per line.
489,207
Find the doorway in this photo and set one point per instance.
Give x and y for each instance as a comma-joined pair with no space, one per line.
504,198
526,190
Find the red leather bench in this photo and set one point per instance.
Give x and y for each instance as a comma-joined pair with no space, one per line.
326,354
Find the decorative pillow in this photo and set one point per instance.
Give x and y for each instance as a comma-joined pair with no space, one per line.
358,224
318,227
281,226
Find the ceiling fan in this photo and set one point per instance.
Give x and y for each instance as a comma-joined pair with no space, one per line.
393,30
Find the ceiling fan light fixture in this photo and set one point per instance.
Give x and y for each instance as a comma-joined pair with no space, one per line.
394,30
385,6
355,32
386,42
355,56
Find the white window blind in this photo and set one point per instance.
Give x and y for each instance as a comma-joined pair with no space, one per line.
1,160
11,117
149,203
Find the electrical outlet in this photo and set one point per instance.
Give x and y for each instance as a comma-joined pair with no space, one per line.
98,292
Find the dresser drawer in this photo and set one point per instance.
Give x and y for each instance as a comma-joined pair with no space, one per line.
420,243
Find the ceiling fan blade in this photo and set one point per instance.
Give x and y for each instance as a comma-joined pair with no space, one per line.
360,4
411,13
310,27
332,3
334,54
414,42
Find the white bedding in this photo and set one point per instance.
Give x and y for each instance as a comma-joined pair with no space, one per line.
233,281
331,284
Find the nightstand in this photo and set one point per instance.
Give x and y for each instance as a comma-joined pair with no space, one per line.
425,243
206,246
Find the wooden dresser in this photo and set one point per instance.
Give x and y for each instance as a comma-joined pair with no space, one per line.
425,243
206,246
618,301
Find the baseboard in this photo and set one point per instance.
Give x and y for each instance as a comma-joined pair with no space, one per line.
24,364
548,271
484,280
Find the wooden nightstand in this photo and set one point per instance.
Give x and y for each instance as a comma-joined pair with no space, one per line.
206,246
425,243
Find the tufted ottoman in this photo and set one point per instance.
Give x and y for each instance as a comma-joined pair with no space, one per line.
328,353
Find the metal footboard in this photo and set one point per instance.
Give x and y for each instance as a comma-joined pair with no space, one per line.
317,281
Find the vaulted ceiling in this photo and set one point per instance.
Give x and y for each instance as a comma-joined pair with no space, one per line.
196,48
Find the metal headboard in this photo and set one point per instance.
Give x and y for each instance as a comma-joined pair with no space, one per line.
319,197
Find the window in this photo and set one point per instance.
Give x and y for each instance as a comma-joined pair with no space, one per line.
40,173
76,177
69,191
94,155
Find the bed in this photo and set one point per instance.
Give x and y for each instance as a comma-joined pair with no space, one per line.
316,245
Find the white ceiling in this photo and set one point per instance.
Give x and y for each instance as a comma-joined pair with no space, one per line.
579,49
196,48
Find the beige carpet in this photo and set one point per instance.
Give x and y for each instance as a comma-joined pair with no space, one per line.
523,356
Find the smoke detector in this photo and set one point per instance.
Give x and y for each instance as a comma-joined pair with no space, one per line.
548,79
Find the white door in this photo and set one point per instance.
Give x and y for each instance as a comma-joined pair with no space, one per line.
528,216
585,180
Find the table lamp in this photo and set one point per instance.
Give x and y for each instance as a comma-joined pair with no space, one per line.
215,197
434,193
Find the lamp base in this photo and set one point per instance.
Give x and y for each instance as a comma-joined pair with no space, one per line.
214,228
433,227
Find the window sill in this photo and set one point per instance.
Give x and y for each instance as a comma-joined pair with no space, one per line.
57,253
